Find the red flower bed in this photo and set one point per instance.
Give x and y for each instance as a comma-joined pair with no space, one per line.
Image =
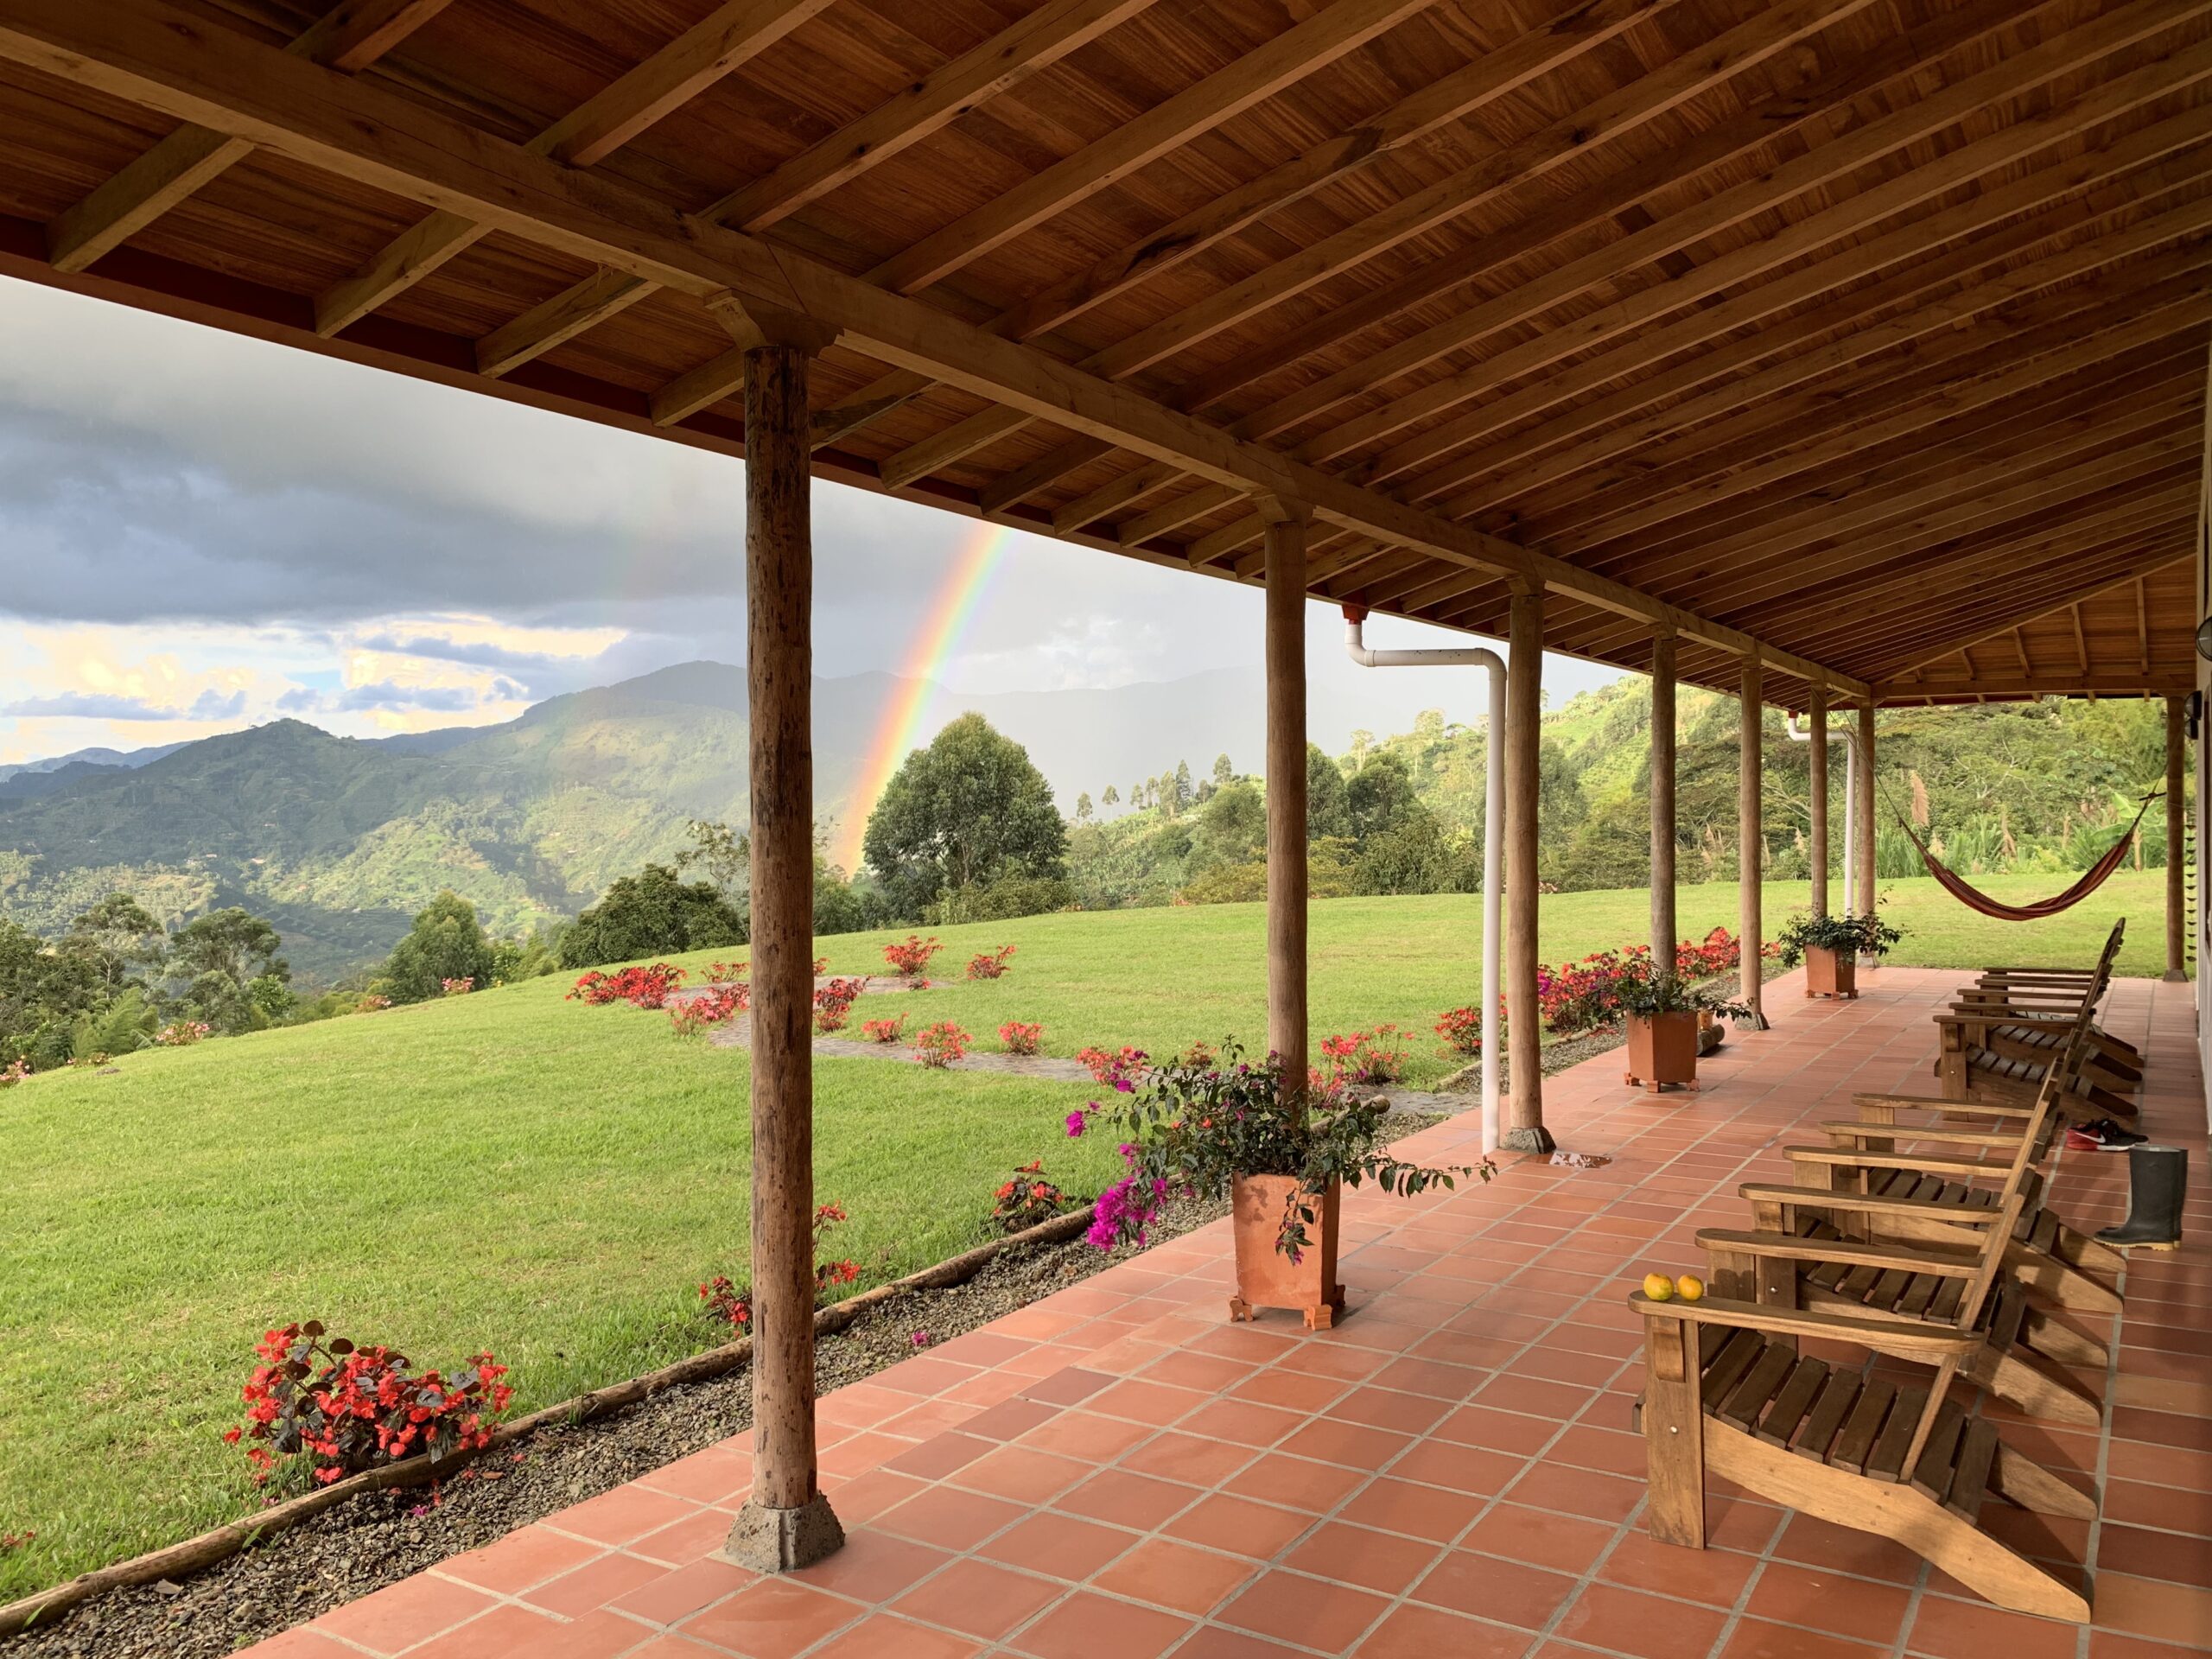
714,1006
1122,1071
649,987
912,956
833,1001
1028,1199
942,1044
991,965
347,1409
1367,1057
1019,1038
884,1030
732,1305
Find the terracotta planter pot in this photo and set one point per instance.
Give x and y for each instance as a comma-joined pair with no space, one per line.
1830,973
1267,1278
1662,1049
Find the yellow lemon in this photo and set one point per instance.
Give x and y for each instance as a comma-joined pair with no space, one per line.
1658,1286
1690,1288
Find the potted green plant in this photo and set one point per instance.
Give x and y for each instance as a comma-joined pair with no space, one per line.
1281,1148
1664,1013
1830,947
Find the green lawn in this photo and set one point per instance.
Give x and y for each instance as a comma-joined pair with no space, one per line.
552,1182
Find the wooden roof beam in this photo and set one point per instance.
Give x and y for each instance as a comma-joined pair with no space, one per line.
348,39
1586,25
2132,580
1332,33
2067,333
1934,463
2106,682
724,39
1910,266
1920,563
2055,58
1717,322
144,51
2026,572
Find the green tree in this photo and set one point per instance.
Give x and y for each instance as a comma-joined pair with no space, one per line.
1222,772
722,854
652,913
1111,797
1380,796
1327,812
1182,785
219,956
447,942
968,811
118,938
1233,830
1083,807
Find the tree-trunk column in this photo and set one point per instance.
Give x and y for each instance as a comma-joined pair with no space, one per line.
1865,830
1524,1128
1750,838
1816,760
787,1522
1663,934
2177,839
1287,875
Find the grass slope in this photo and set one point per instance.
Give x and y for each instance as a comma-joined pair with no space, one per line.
513,1171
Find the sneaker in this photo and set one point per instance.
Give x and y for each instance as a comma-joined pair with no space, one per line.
2103,1135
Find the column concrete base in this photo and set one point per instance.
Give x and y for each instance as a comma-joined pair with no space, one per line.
1538,1140
776,1540
2175,976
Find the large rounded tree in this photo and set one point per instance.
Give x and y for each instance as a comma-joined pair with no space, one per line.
967,813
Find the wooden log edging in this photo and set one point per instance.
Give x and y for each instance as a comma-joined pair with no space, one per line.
218,1544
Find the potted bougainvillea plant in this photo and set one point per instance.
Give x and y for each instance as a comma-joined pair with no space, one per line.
1281,1149
1663,1012
1830,947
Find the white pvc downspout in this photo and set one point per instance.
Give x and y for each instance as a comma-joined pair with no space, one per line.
1850,803
1493,818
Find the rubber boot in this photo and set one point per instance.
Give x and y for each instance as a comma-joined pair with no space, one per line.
2156,1177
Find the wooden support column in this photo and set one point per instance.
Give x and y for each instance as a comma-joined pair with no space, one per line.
1286,523
2177,839
1751,843
1663,934
1524,1128
787,1522
1816,762
1865,833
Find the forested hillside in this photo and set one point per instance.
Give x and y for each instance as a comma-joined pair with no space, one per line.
1998,788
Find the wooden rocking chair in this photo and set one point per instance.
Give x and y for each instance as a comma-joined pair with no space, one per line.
1806,1251
1727,1392
1997,1039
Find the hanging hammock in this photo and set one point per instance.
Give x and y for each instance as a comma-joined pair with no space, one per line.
1973,898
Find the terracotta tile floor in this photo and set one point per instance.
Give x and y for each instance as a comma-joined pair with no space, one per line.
1118,1473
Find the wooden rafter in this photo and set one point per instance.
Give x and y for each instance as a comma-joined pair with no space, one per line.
348,39
589,134
140,51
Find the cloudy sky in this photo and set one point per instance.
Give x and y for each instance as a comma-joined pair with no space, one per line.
200,532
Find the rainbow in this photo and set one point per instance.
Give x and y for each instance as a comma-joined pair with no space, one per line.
898,730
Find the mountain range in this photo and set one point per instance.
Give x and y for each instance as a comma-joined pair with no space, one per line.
340,840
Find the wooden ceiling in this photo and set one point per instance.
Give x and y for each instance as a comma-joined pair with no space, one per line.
1871,334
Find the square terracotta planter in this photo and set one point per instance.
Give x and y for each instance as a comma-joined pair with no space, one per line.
1267,1278
1830,973
1662,1049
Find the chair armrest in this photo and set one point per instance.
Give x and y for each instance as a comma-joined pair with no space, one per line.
1933,1162
1853,1130
1936,1104
1869,1204
1951,1264
1929,1347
